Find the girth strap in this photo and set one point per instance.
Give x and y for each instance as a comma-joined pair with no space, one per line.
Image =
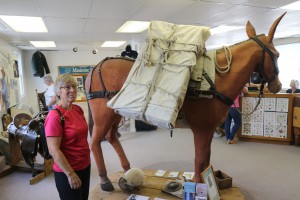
101,94
213,91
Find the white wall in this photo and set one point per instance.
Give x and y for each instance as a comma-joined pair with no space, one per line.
5,45
55,59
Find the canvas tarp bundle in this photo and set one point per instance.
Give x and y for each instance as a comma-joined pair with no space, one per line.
156,85
204,63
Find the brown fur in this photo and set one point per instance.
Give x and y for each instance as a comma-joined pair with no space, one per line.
203,115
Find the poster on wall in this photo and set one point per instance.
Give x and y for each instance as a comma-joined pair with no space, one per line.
79,73
9,80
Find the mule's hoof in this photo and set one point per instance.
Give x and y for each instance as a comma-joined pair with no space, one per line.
107,186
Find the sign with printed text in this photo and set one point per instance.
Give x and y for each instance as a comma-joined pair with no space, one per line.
75,70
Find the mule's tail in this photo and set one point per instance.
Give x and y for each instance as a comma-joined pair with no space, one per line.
90,120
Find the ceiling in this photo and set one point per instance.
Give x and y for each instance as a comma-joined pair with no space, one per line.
86,24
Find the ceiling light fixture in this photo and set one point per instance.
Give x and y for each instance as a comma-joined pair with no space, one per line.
24,24
113,43
95,51
133,27
292,6
223,29
43,44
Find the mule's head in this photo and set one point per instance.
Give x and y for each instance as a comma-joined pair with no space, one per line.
267,67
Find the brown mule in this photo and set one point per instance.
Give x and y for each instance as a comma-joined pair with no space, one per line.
257,54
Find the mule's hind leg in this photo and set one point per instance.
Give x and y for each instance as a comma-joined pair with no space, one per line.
103,118
114,141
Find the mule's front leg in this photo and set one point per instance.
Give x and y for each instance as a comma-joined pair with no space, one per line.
202,142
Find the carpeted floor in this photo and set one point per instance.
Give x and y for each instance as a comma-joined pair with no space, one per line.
261,171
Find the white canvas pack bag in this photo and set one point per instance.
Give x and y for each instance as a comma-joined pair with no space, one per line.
156,85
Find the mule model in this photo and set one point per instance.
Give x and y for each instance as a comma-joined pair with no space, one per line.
257,54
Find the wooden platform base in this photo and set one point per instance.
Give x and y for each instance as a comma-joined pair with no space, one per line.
152,188
41,170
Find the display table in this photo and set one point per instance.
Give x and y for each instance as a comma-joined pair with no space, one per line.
152,188
272,122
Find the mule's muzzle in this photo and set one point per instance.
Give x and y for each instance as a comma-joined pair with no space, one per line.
275,86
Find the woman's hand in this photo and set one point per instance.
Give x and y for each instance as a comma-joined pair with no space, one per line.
74,181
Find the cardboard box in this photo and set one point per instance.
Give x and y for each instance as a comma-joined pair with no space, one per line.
223,180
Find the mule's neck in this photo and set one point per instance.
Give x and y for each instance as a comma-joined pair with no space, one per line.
245,58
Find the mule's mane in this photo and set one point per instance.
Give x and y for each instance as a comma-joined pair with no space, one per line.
222,49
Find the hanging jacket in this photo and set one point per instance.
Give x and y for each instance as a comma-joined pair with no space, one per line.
39,64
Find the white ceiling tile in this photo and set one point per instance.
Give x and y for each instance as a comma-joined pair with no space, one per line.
161,10
114,9
103,25
65,25
257,3
231,16
65,8
199,11
19,8
90,22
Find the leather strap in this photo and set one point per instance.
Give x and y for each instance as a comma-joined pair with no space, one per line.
103,93
213,91
62,119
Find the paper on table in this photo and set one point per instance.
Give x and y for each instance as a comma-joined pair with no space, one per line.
173,174
160,172
137,197
188,175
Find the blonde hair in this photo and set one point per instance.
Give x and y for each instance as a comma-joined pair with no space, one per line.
63,79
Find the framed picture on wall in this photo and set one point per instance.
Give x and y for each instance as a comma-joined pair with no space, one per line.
208,178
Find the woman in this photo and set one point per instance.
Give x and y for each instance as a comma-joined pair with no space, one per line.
50,96
234,114
294,84
68,143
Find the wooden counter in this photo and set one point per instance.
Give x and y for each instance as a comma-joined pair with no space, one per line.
272,122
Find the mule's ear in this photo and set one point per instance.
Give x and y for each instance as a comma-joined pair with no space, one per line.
273,28
250,30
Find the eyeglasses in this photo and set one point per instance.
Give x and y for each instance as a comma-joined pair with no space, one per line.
68,87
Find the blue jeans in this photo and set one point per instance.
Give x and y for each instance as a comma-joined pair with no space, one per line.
234,115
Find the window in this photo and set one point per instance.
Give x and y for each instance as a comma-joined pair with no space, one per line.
288,63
